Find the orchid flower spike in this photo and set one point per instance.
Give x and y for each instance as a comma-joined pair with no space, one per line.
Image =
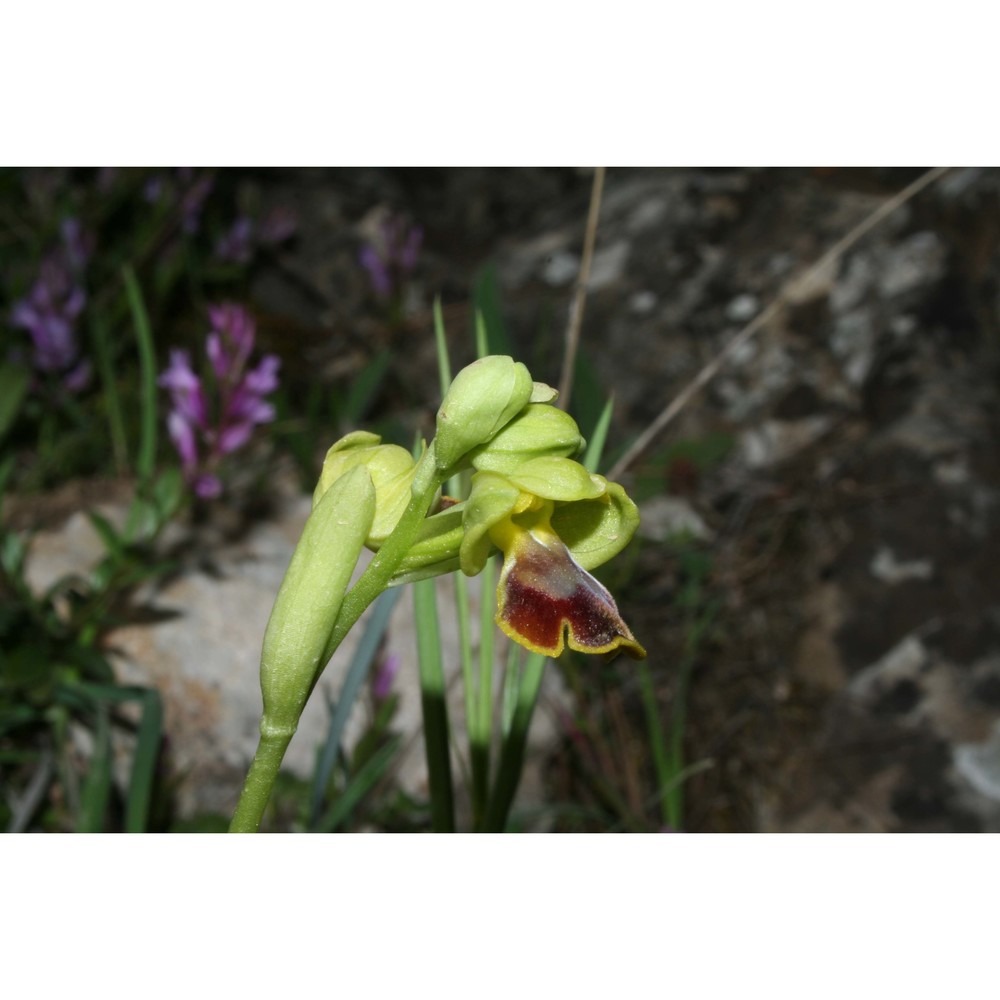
552,520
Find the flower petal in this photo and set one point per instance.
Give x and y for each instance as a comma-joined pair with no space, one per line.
546,600
595,531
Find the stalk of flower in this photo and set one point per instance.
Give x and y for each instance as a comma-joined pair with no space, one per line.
208,422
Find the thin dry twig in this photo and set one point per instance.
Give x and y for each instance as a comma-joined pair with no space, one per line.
643,441
580,293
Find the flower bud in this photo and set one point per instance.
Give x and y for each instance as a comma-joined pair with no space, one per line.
483,398
391,468
310,596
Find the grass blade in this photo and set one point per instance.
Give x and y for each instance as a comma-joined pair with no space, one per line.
147,753
662,761
434,706
97,787
106,369
361,784
486,299
512,752
482,337
14,382
361,663
481,717
595,447
146,458
441,344
364,388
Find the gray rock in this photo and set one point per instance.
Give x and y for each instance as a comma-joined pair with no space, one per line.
979,764
887,568
904,661
743,308
853,343
915,262
647,215
642,303
775,441
561,268
664,517
608,265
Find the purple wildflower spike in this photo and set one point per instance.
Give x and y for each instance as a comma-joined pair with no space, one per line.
236,395
392,256
280,224
384,677
237,245
50,310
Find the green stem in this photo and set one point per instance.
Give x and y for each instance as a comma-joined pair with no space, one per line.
260,781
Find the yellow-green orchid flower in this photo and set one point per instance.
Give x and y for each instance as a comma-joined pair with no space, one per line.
553,521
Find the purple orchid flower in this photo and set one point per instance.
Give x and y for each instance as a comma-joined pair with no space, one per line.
236,394
193,199
280,224
384,676
392,256
237,245
246,236
49,312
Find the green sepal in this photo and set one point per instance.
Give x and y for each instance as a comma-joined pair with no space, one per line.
391,469
560,479
483,398
595,531
492,498
538,430
310,597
